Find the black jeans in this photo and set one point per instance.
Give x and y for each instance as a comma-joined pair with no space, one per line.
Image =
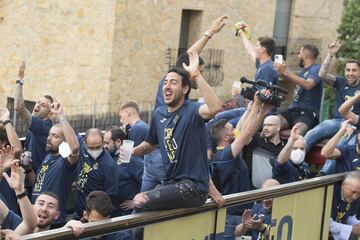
171,195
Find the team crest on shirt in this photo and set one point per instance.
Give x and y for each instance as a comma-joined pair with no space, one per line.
83,176
40,178
170,144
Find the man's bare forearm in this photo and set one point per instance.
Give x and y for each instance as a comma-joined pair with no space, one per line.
323,72
143,148
20,105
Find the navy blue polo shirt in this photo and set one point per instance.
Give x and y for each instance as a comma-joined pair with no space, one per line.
344,91
99,175
289,172
266,72
340,210
181,136
129,179
309,99
349,159
138,132
35,140
12,221
231,174
55,175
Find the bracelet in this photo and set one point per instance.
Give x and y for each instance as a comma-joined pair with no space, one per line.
20,81
207,34
6,122
21,195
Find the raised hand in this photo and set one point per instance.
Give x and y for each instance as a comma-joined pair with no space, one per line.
193,68
334,47
56,108
22,70
16,180
6,156
295,132
4,114
217,25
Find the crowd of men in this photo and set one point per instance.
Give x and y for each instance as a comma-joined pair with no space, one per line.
190,151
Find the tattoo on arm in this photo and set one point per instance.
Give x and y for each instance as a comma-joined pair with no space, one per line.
20,106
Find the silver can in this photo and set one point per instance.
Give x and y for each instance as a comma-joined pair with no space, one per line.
26,158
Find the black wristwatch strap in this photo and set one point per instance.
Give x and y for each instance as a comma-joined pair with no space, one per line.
21,195
21,82
6,122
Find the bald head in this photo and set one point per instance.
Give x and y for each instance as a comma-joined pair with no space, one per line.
269,183
94,138
271,126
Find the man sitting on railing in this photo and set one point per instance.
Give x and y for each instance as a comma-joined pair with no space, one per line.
230,173
345,204
257,220
306,105
179,129
290,165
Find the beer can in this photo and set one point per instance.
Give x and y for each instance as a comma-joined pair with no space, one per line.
26,158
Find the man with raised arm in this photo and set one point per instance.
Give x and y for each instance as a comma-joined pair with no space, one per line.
345,155
345,87
38,122
261,54
230,172
174,127
10,148
9,219
290,165
307,99
57,171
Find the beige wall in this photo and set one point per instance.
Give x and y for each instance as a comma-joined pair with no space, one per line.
112,50
67,46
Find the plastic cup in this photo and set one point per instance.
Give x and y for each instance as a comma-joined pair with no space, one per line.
128,147
236,84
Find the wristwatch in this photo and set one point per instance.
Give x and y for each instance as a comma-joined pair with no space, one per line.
21,195
6,122
20,81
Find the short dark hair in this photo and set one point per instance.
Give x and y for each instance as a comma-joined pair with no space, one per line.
353,61
50,98
217,129
93,129
116,133
312,49
100,202
185,78
130,104
184,58
53,195
268,44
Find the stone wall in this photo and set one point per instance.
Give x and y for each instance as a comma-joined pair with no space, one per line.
67,46
111,50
